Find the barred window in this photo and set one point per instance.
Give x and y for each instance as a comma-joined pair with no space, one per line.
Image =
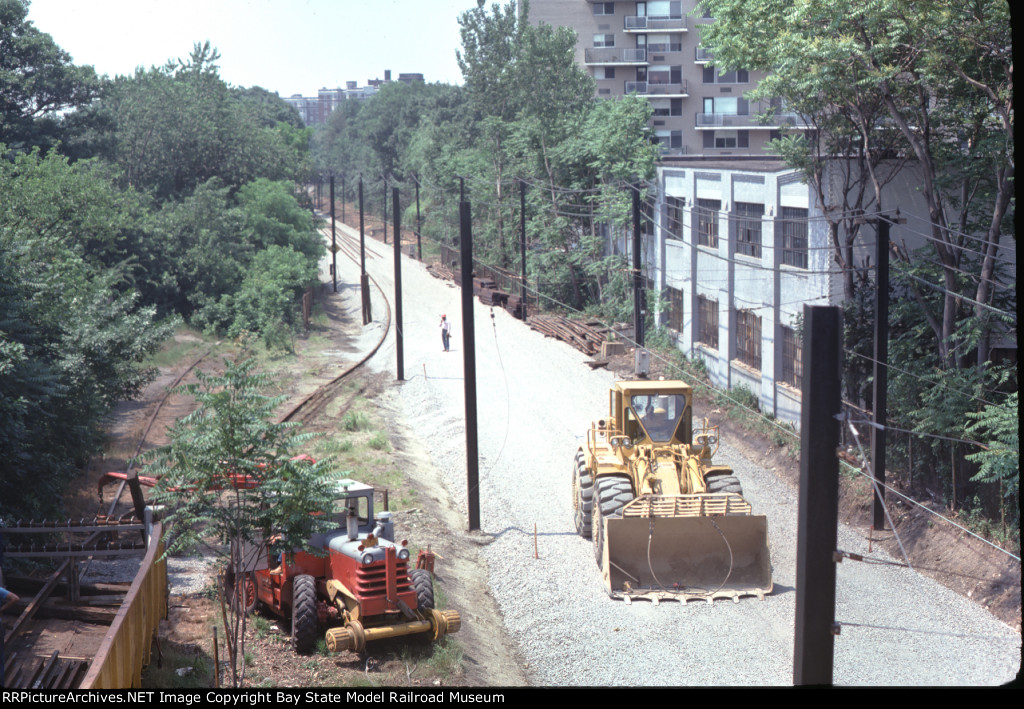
792,357
706,214
707,321
674,218
748,228
647,215
748,338
794,236
675,309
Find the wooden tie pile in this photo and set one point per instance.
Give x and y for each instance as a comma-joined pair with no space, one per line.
584,336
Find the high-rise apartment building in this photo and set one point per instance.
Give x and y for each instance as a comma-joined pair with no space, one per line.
653,49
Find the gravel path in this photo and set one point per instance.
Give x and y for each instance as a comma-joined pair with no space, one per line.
536,397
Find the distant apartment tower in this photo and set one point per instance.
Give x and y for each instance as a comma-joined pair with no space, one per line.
653,49
314,110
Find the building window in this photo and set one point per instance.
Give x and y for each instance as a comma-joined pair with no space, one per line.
792,358
726,139
794,236
674,218
706,214
714,75
748,338
669,139
747,218
707,321
604,8
604,72
666,106
604,40
675,309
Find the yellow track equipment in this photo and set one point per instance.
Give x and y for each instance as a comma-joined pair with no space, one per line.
666,523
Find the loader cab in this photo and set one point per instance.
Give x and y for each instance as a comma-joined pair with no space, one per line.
656,411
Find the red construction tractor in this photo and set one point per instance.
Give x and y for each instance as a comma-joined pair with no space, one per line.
361,588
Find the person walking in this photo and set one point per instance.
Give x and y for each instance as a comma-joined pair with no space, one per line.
446,331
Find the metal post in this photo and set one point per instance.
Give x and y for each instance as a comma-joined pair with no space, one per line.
522,246
334,243
818,514
419,226
638,290
364,281
469,364
399,335
385,210
881,372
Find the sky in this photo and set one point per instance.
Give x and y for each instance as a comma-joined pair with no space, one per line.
287,46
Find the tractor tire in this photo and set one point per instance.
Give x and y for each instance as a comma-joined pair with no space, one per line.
723,482
613,493
582,496
304,614
424,585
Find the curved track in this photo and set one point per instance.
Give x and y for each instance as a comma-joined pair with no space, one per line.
312,404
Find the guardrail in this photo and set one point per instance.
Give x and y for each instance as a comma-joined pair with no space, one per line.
125,649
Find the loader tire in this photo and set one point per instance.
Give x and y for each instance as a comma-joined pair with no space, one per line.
582,496
424,586
613,493
304,614
723,483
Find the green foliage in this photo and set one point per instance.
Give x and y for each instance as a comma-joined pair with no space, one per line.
37,81
231,434
62,227
172,128
999,426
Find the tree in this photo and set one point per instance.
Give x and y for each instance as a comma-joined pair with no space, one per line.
37,81
229,478
172,128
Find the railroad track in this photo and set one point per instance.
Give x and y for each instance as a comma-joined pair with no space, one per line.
311,405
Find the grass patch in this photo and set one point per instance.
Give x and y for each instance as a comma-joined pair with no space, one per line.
196,671
355,421
260,625
446,659
380,442
178,349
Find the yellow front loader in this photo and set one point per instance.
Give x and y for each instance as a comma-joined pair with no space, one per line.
666,523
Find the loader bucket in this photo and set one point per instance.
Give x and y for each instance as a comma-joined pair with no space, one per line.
686,556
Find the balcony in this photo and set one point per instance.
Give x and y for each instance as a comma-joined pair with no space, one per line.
703,55
706,121
654,24
647,88
664,47
612,56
